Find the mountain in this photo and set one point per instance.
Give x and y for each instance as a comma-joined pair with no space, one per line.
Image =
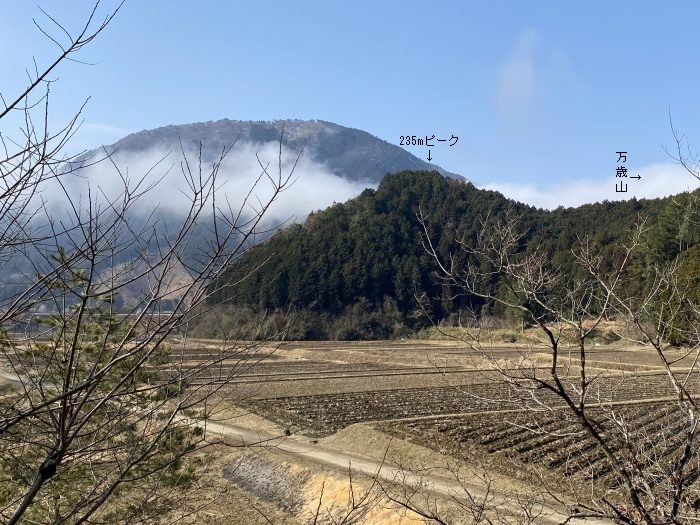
355,270
352,154
337,163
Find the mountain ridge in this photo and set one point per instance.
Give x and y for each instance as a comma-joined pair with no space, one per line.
351,153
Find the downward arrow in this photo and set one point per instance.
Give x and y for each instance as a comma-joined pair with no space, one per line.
429,157
637,177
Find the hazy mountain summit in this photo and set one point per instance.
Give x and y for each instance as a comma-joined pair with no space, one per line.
352,154
338,163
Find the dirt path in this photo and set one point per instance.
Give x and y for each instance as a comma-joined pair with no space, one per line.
307,449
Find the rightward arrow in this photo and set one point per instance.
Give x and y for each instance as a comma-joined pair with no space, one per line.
636,177
429,157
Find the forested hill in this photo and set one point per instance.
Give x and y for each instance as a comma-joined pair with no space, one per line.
363,261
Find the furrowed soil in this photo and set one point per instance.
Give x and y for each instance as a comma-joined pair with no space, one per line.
433,406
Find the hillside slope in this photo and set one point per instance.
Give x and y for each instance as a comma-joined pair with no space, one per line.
365,256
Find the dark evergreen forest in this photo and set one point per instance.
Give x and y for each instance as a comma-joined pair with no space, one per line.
356,270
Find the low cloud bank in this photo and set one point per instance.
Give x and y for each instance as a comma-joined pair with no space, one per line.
314,185
657,180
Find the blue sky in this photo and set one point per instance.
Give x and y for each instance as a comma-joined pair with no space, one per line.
540,94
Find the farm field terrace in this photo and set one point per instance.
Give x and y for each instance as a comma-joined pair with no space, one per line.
448,398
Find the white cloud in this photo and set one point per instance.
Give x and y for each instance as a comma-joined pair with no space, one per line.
516,84
657,180
315,186
533,79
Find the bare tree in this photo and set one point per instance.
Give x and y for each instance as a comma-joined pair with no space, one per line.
99,411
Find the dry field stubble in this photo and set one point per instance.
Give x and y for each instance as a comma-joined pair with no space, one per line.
442,397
